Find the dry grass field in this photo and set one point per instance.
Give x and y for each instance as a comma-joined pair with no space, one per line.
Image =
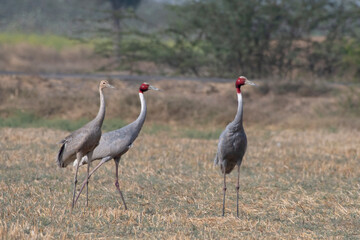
294,184
300,178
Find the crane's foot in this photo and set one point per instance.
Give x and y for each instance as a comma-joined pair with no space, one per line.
237,201
87,193
121,195
223,210
81,189
73,199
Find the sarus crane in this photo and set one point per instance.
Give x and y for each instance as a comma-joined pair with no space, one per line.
232,143
116,143
83,141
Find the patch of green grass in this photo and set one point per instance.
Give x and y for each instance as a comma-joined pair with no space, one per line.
26,120
21,119
113,123
49,40
156,128
18,119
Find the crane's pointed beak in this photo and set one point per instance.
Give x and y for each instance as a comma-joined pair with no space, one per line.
154,88
248,82
110,86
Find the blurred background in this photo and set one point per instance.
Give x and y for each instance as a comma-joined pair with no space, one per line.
300,175
193,38
306,50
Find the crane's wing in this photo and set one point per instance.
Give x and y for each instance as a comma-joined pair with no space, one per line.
114,143
219,152
231,148
218,155
70,145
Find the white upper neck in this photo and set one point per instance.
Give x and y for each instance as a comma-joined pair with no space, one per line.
238,118
142,115
101,114
142,101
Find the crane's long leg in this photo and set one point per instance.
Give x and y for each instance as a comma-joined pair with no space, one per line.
117,160
89,156
224,189
78,156
237,192
104,160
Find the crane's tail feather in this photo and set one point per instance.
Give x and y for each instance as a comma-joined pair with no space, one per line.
83,161
229,167
216,160
59,159
75,163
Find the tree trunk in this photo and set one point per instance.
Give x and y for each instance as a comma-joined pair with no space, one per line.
116,15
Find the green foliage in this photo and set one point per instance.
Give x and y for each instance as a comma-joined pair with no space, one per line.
255,38
351,55
48,40
125,3
55,16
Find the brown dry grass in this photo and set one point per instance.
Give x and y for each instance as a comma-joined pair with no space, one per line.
25,57
294,184
186,103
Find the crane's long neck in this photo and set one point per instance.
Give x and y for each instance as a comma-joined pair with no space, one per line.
238,121
101,114
141,118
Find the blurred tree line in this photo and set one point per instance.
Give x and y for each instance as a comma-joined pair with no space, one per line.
44,16
257,38
64,17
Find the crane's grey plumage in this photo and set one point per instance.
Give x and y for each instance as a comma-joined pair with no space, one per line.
232,143
116,143
83,141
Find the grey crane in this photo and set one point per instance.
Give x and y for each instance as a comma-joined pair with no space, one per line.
116,143
232,143
83,141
